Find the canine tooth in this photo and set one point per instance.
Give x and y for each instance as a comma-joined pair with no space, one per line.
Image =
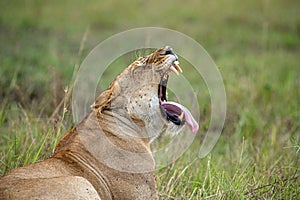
176,65
181,116
172,68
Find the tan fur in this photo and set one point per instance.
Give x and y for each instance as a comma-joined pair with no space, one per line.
79,167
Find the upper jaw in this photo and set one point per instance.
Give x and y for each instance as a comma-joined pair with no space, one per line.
174,67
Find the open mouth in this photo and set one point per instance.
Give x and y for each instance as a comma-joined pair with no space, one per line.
174,112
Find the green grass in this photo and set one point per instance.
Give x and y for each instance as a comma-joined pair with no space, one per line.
256,45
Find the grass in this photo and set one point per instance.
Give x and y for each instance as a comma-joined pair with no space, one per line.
254,43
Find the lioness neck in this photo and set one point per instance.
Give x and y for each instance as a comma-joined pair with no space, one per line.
108,156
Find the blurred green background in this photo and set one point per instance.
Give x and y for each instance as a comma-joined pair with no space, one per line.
256,45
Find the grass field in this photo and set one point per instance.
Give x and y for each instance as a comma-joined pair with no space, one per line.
256,45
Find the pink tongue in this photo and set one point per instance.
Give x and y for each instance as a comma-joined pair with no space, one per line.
188,116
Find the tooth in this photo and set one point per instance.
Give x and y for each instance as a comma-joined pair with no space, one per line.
176,65
181,116
172,68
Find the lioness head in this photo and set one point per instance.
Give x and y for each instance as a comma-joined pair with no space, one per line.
139,94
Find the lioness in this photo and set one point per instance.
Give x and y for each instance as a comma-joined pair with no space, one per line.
107,155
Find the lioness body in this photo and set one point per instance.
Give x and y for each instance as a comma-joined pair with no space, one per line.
107,155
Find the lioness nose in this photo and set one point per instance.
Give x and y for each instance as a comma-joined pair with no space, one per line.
169,51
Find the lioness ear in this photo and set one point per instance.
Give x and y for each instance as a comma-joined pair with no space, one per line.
103,101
